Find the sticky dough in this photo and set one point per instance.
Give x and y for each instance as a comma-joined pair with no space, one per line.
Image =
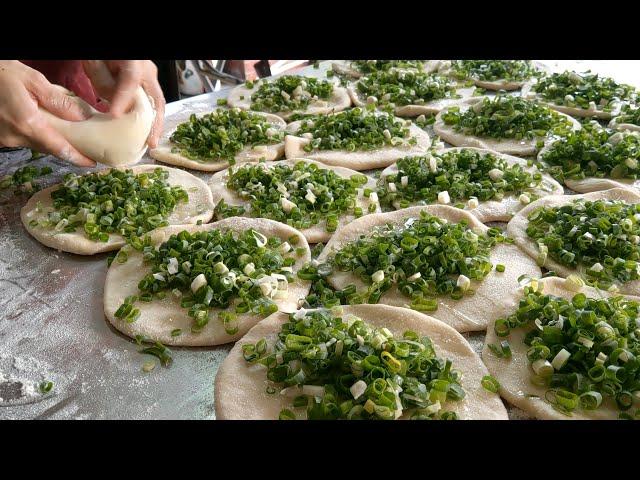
105,139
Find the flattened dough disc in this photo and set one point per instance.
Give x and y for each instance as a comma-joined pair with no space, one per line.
471,312
240,389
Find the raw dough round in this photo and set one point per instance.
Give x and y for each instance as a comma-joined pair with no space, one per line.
498,210
338,101
164,154
240,388
523,148
159,317
76,242
358,160
471,312
314,234
501,84
513,374
527,92
593,184
517,229
112,141
429,108
345,68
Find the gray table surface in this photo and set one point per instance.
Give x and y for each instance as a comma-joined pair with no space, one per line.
52,325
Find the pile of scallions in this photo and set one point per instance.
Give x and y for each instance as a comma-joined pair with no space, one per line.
335,366
218,268
425,258
602,236
117,202
302,195
506,116
288,93
355,129
464,174
222,134
585,351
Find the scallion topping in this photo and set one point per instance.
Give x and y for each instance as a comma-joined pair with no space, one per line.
492,70
209,269
580,90
347,369
583,350
301,195
594,152
354,129
406,87
289,93
425,258
222,134
599,235
372,66
464,174
505,116
118,202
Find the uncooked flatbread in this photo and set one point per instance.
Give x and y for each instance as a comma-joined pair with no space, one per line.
345,68
358,160
164,154
498,210
471,312
240,388
523,148
315,234
593,184
159,317
517,229
502,84
429,108
528,93
199,207
513,374
338,101
105,139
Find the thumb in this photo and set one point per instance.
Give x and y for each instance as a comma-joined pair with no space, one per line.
57,100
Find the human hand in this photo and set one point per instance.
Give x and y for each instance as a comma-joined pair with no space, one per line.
128,76
22,91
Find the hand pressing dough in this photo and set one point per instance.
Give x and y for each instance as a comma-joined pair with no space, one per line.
523,148
159,317
497,210
105,139
428,108
517,229
200,200
514,374
359,159
314,234
527,92
240,387
471,312
338,101
163,153
593,184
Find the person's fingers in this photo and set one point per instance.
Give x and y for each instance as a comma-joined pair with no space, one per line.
155,92
56,100
45,138
128,79
100,76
